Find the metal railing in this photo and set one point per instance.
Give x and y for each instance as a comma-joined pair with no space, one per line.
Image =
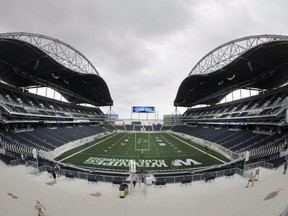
16,162
85,174
110,177
258,164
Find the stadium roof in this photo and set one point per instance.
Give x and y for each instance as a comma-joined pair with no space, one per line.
259,62
30,60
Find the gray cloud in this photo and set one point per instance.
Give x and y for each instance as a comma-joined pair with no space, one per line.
144,49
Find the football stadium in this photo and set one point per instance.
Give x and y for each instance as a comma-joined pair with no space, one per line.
211,142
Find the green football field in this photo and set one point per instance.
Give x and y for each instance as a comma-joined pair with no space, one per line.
151,151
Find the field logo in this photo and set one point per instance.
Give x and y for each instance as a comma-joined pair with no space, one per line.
142,140
187,162
124,162
140,163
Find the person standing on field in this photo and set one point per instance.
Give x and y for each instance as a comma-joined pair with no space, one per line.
285,167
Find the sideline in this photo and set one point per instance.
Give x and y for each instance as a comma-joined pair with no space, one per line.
197,148
87,148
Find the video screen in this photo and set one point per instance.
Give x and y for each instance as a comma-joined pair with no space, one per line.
143,109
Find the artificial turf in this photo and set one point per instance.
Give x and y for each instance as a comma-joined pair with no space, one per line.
151,151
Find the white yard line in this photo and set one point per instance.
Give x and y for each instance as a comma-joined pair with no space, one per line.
154,145
198,149
86,148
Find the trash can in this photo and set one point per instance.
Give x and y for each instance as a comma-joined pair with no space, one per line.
122,190
126,189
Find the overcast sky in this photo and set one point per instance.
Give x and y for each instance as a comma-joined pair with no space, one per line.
144,49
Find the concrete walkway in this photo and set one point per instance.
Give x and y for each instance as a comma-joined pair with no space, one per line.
224,197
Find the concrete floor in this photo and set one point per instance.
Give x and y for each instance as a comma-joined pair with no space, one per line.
19,192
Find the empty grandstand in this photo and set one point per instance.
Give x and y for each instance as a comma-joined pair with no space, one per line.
257,124
30,121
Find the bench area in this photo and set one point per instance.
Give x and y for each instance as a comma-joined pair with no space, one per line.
210,177
69,176
186,182
230,174
116,182
160,183
92,179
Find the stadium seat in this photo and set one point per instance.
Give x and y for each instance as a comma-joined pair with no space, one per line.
210,177
70,176
186,182
230,174
160,183
116,182
92,179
